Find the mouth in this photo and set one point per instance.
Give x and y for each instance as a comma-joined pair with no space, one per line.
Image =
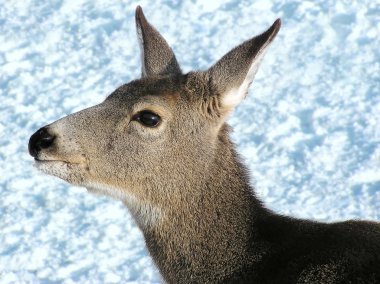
39,161
44,161
45,165
71,172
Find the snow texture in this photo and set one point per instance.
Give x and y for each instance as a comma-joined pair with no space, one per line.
309,129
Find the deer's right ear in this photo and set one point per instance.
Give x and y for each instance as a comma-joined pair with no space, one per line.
234,72
157,58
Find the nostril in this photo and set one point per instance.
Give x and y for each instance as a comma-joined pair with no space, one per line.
40,140
45,142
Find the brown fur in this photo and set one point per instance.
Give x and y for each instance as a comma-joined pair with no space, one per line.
184,183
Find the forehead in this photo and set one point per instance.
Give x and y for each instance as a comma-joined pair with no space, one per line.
172,87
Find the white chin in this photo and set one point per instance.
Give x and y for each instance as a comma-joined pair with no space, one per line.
72,173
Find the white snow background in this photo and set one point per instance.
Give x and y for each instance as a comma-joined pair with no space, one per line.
309,129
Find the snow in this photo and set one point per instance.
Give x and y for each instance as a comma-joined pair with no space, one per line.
309,129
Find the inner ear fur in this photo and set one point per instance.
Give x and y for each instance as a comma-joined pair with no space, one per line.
232,75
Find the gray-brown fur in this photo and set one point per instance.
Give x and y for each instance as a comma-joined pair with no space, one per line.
184,183
157,56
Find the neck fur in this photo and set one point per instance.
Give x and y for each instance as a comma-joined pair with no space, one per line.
211,226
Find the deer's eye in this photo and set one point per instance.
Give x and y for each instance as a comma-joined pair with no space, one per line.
147,118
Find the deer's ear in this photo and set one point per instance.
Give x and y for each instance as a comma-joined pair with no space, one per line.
235,71
157,58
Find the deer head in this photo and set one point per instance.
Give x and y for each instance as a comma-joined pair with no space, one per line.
154,140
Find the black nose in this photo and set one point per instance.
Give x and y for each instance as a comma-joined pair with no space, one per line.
40,140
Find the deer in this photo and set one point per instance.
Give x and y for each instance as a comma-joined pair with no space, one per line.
161,145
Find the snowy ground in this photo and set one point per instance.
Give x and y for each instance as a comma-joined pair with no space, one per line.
309,130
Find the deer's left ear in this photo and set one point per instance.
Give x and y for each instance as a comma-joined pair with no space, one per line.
235,71
157,58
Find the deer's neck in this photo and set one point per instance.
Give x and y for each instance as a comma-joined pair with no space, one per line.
209,233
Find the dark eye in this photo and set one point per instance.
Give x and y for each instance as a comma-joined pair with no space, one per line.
147,118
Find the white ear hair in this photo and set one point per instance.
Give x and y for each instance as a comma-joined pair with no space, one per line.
234,96
234,72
